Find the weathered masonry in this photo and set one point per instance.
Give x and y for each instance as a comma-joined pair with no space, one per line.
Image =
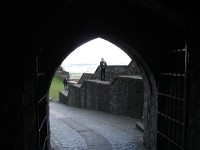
122,93
161,36
123,96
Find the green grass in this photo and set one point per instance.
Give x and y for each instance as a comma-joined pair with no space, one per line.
56,86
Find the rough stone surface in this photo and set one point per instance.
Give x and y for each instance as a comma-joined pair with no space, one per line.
113,71
150,120
63,96
96,94
74,97
61,73
124,96
127,96
84,77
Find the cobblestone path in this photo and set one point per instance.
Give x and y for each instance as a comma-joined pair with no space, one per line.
81,129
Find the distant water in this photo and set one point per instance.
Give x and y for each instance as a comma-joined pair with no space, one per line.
80,68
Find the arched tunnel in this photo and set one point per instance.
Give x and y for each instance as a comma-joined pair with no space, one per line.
161,37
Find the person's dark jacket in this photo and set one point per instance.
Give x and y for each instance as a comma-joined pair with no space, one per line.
103,65
65,82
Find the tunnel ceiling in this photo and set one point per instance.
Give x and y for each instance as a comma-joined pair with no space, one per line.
51,20
59,28
67,26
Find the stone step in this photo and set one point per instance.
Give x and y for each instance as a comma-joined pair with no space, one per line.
140,126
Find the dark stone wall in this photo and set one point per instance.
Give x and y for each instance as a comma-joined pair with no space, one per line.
113,71
97,95
29,115
84,77
62,97
91,95
123,96
11,131
127,96
74,95
146,30
84,94
133,69
62,74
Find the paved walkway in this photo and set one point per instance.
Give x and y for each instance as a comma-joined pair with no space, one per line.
81,129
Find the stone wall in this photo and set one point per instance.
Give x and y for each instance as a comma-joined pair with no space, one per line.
74,95
84,77
61,73
114,71
127,96
63,97
65,74
111,72
132,69
123,96
96,95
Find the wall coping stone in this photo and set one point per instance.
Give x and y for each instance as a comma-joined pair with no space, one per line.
72,82
64,92
131,76
77,85
99,81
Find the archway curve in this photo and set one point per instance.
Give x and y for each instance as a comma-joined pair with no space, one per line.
155,6
150,108
134,38
150,95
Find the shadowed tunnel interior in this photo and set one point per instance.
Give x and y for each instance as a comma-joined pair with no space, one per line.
36,37
75,125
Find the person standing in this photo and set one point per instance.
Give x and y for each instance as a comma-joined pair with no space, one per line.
65,82
103,66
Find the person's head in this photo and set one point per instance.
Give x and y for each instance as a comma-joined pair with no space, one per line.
102,59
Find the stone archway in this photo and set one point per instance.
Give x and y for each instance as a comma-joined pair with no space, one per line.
27,27
150,108
126,36
150,91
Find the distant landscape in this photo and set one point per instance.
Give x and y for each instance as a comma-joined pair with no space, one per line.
80,68
76,70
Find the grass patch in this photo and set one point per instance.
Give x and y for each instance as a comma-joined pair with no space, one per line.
56,86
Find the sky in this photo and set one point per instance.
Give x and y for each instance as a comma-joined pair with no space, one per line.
90,55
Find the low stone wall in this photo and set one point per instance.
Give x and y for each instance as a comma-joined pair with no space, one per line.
123,96
132,68
62,74
63,96
127,96
96,95
111,72
74,95
114,71
85,77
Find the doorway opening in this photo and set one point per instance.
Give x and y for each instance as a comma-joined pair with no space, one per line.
137,70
